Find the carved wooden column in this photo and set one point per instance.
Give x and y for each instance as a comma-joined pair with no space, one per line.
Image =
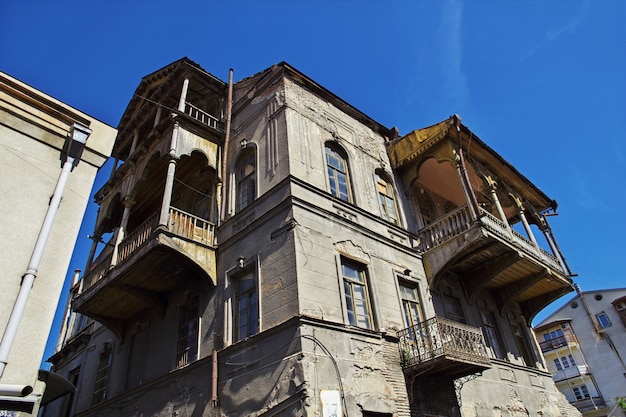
494,197
522,215
121,231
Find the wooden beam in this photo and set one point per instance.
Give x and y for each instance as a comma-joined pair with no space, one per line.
531,307
505,296
476,279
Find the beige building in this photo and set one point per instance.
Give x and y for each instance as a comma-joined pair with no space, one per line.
584,345
33,131
273,251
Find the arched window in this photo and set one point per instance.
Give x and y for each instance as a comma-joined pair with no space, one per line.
246,179
386,199
338,176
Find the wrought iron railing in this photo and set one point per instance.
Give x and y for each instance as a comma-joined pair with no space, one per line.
438,337
557,342
203,117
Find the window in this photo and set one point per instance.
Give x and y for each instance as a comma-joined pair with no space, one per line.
565,362
554,334
338,178
453,309
557,362
102,375
357,300
581,392
386,198
522,344
571,360
246,179
603,320
410,304
492,334
246,307
188,331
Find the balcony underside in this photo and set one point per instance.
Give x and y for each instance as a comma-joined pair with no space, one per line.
483,260
442,347
450,366
143,280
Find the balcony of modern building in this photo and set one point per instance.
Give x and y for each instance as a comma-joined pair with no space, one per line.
574,371
442,347
159,207
478,218
589,404
566,340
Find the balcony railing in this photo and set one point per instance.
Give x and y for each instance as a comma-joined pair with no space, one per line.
459,220
557,342
438,337
571,372
589,404
444,229
180,223
203,117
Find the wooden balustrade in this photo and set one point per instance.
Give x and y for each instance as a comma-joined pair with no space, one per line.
191,227
445,228
459,220
203,117
180,223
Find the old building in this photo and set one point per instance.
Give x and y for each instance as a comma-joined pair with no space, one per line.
584,345
271,250
34,128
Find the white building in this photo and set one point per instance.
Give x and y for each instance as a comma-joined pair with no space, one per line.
584,345
33,131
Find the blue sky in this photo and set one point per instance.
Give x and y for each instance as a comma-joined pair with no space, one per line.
541,82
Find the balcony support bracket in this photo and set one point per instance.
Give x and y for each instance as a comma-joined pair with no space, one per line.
509,294
151,298
476,279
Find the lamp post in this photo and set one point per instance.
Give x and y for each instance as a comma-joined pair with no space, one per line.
70,155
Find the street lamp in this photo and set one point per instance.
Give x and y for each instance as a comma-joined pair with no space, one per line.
70,155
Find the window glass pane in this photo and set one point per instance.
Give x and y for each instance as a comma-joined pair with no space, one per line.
557,363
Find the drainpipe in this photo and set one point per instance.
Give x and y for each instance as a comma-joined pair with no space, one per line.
229,113
72,151
214,399
547,232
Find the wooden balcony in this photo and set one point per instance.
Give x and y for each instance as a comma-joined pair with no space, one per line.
558,342
149,262
487,254
440,346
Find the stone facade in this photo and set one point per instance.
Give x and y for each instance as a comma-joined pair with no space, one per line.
319,288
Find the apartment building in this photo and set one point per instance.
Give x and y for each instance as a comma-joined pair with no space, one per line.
584,345
273,251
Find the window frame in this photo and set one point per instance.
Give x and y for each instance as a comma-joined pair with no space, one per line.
386,199
348,284
600,317
404,302
333,180
253,315
493,335
103,371
245,181
188,327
